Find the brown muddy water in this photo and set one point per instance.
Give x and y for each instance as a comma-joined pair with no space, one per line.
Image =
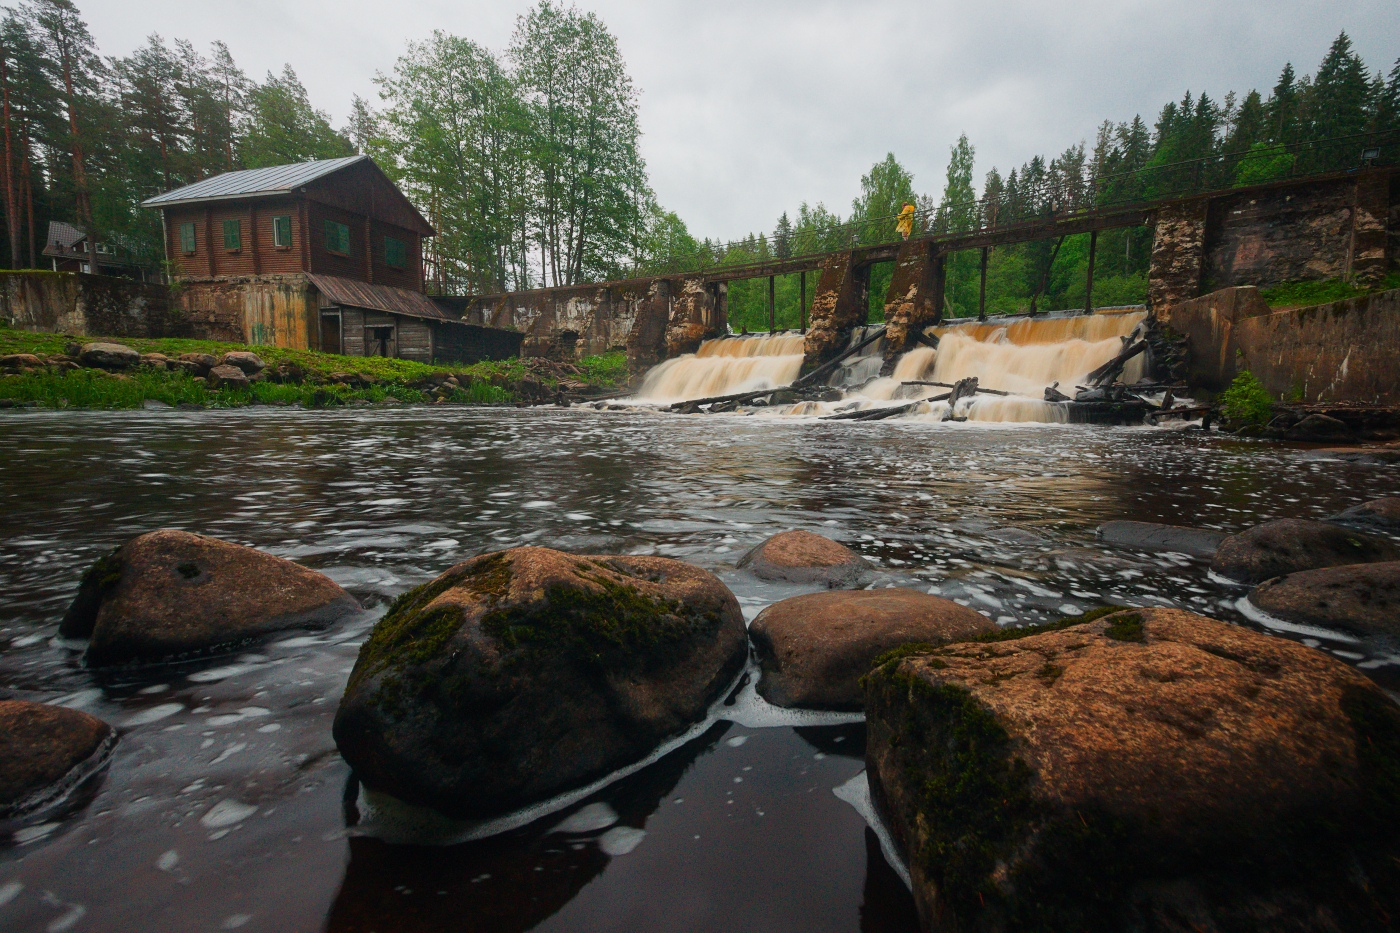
226,806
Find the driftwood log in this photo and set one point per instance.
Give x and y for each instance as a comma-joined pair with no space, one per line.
830,365
949,385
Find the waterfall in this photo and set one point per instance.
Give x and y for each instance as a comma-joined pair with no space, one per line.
726,366
1020,357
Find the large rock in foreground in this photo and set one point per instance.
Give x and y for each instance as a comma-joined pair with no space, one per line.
1290,544
804,557
45,751
171,593
1150,770
814,649
1360,598
108,355
521,674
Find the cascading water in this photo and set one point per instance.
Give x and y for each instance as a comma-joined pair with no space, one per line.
726,366
1020,357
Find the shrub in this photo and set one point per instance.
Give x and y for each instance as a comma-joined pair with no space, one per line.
1246,401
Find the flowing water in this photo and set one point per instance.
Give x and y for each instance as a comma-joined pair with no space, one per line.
1018,356
226,806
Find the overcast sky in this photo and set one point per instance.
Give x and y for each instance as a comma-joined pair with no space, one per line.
749,107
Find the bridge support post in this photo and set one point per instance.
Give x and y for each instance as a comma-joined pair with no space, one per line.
1178,254
802,304
838,307
982,288
915,298
1367,259
646,341
698,312
1088,276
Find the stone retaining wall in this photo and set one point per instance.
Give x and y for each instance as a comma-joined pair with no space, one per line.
87,305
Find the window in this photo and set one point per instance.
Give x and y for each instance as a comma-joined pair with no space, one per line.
395,253
233,242
282,231
337,238
187,239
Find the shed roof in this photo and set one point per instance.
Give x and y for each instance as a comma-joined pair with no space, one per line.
253,182
353,294
64,235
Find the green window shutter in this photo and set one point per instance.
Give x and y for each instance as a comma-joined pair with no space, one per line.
395,253
337,237
282,231
232,239
187,238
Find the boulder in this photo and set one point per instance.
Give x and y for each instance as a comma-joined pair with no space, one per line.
20,361
1150,536
198,364
1360,598
155,360
247,361
1150,770
225,376
170,593
1380,455
45,751
518,675
814,649
1382,514
1318,426
804,557
1289,545
108,356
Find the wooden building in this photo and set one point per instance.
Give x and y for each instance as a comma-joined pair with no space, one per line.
321,255
70,249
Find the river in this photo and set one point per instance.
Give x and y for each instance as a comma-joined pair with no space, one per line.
226,805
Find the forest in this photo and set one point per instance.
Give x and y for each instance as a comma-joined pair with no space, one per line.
527,160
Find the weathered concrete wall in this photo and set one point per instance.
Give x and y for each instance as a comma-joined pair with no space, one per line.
1346,351
915,298
839,306
267,310
698,312
88,305
1281,235
1340,352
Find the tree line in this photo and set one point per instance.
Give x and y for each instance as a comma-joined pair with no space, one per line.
1196,143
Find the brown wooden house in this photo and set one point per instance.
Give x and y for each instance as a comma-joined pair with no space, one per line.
323,255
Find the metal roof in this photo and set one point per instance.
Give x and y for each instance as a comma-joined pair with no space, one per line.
64,235
253,182
353,294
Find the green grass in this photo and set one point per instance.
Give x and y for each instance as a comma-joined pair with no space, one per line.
1321,291
485,383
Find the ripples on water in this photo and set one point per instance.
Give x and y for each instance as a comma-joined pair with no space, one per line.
226,805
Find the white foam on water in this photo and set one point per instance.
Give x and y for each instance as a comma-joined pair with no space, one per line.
33,833
856,792
154,714
1254,614
227,813
168,860
220,673
588,819
9,891
621,839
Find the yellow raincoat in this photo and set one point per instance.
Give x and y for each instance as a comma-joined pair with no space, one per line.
905,222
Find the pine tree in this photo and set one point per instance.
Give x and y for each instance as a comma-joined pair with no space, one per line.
72,57
284,128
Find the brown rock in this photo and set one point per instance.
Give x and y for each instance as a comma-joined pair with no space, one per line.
200,363
170,593
225,376
1378,513
1361,598
1380,455
109,355
155,360
521,674
814,649
804,557
1151,770
20,361
250,363
45,751
1289,545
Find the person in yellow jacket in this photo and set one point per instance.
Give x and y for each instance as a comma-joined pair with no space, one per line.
905,222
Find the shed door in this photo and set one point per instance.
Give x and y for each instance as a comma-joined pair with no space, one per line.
331,339
380,341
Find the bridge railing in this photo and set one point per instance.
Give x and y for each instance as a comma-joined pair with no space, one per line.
1053,197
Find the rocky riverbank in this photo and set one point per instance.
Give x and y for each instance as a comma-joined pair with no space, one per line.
54,371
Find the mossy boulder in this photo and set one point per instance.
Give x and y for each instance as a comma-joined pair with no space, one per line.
1359,598
168,594
518,675
804,557
1289,545
1149,770
814,649
45,751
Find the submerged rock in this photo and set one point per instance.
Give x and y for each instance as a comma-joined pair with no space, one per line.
518,675
1150,770
1150,536
1360,598
814,649
1385,454
170,593
1289,545
108,355
44,752
1383,514
804,557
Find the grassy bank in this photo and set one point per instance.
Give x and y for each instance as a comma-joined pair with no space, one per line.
1321,292
292,377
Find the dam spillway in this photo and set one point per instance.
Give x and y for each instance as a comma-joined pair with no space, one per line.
1020,357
